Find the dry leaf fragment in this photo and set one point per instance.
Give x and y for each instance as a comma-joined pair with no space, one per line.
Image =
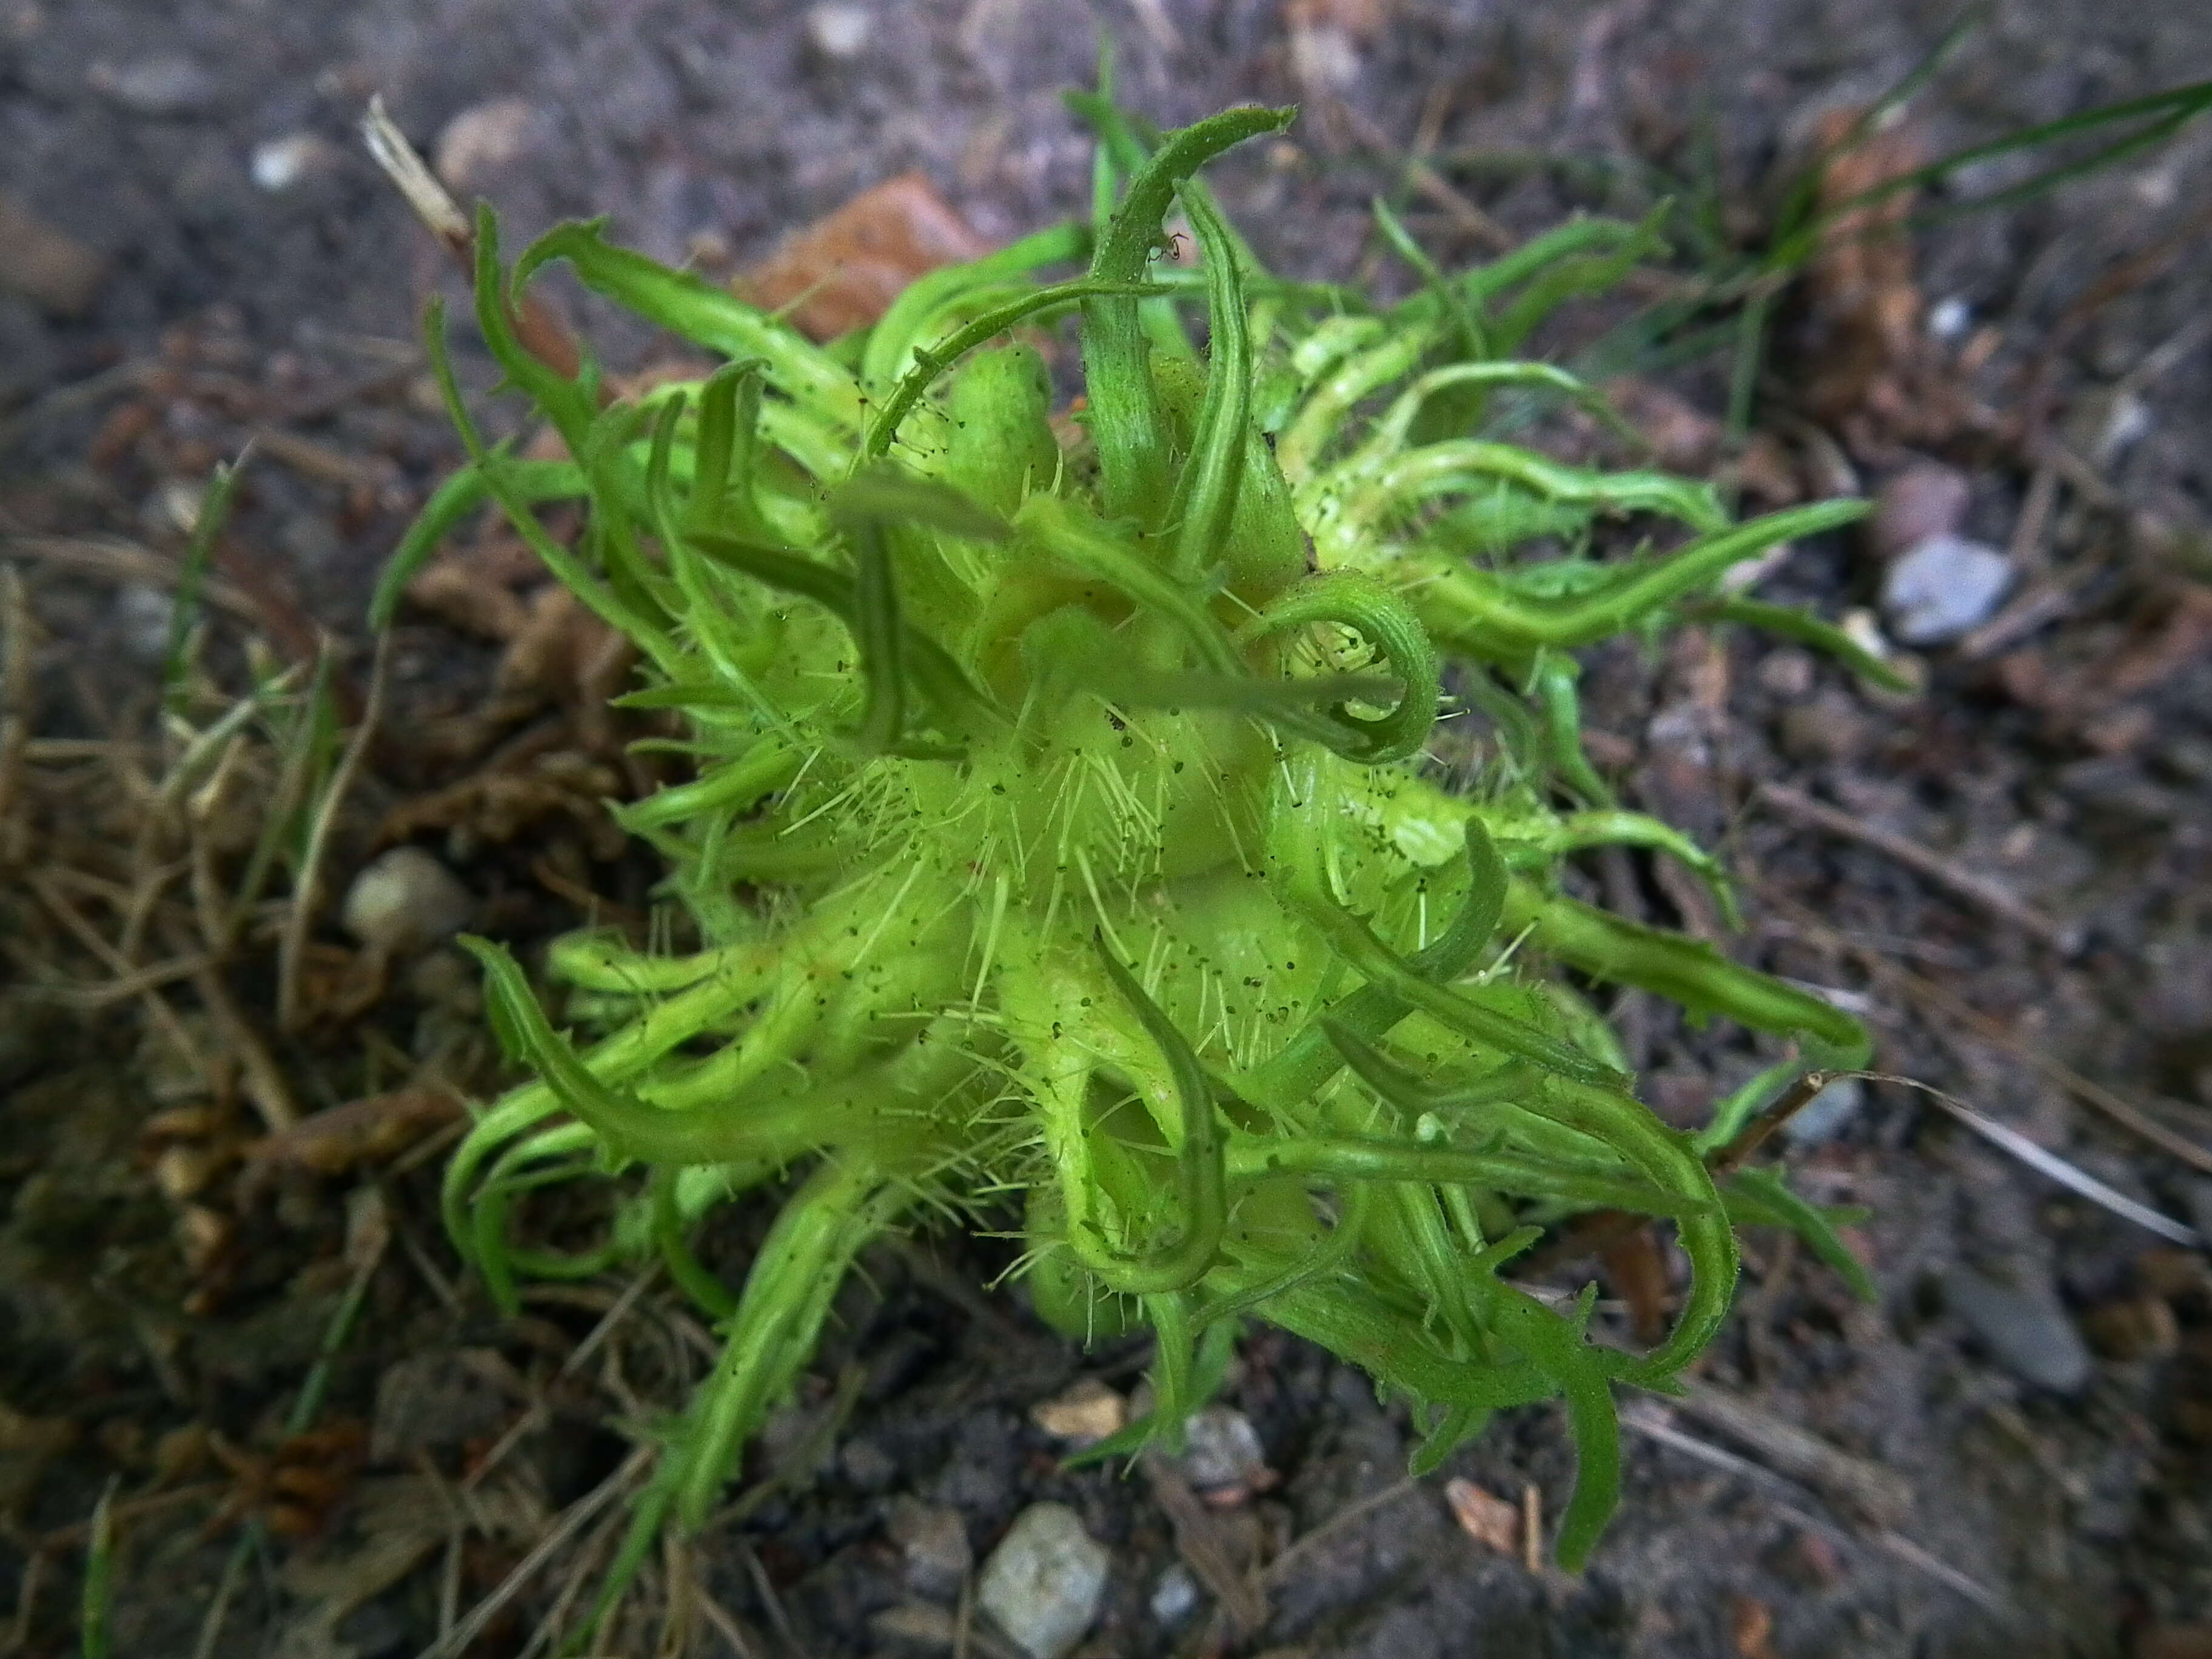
1363,20
463,593
50,268
842,271
1864,298
1751,1628
1869,372
367,1130
1489,1521
1086,1412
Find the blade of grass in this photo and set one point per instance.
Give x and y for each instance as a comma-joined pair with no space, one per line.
191,580
95,1641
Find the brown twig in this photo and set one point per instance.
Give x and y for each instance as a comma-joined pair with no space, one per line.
1801,808
110,558
1753,1134
1651,1421
1278,1572
2025,549
2037,395
2045,602
262,1077
1198,1540
157,1008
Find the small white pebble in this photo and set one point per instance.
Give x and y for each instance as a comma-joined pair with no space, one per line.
281,163
1949,319
1174,1597
839,32
1043,1583
406,902
1941,588
143,614
1324,57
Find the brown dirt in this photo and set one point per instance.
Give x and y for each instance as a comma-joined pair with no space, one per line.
175,307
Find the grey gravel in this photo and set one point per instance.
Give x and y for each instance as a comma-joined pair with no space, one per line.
406,902
1822,1118
1175,1598
2023,1327
1043,1582
1941,586
1221,1448
933,1540
165,84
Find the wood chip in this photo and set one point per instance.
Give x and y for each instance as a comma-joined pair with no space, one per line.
1491,1522
842,271
1751,1628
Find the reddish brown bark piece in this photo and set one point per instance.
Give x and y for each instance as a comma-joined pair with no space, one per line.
1637,1273
842,271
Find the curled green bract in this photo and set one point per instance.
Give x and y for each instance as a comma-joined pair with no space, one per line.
1060,825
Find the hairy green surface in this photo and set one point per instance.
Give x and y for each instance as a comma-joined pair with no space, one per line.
1060,829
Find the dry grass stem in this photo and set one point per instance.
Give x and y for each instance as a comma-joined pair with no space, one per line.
1921,994
1801,808
1199,1541
1651,1421
573,1521
1278,1570
292,947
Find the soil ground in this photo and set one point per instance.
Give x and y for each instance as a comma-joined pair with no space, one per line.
2071,766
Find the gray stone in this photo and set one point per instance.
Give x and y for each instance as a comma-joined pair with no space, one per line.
1043,1583
143,617
867,1465
1175,1598
1822,1117
296,159
406,902
839,32
165,84
1221,1448
916,1625
480,142
2024,1328
1941,586
934,1542
56,273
